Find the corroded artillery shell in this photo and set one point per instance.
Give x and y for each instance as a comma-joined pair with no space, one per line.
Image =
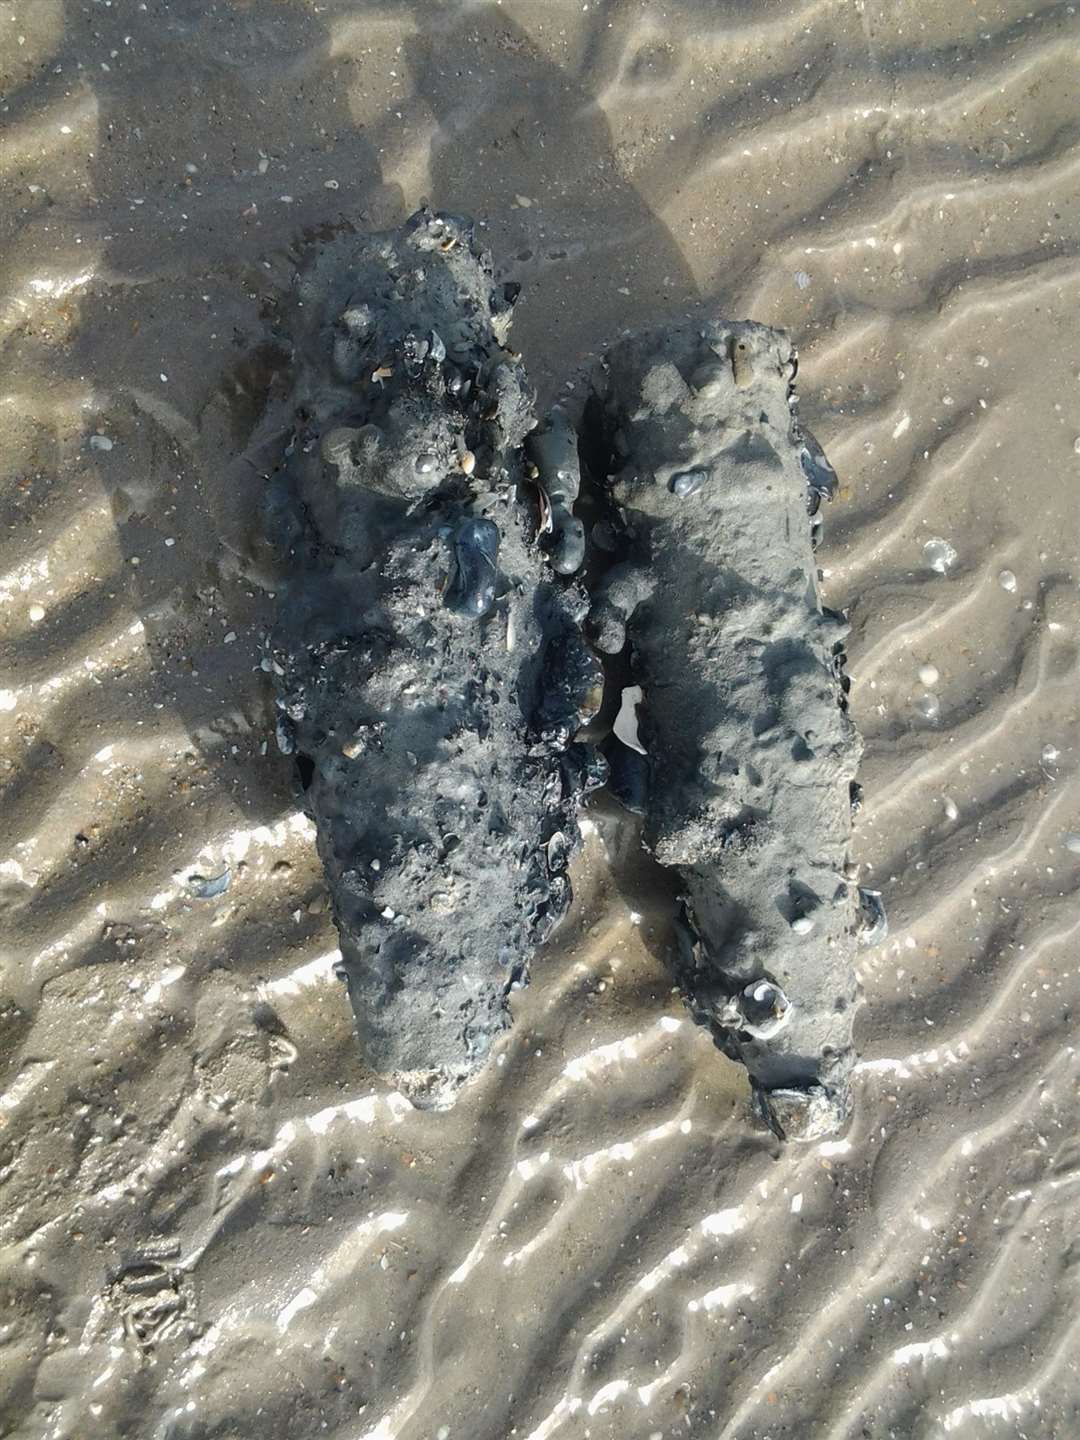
751,753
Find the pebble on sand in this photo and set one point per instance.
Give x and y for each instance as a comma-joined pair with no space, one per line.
939,554
928,675
1007,580
928,706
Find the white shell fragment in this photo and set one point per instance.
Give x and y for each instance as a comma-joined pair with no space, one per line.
626,722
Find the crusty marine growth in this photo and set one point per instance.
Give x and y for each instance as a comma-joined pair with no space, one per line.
433,671
750,752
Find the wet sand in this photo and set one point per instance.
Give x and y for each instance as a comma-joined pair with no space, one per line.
214,1222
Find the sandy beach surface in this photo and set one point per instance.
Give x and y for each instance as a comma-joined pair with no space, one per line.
214,1222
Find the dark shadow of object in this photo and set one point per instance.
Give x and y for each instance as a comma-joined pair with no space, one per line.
514,127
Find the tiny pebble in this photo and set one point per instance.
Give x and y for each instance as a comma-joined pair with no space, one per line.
164,378
939,554
1072,842
100,442
37,612
331,185
928,675
688,482
1049,754
467,461
803,925
802,279
928,706
230,637
1076,445
170,541
981,361
951,812
1007,580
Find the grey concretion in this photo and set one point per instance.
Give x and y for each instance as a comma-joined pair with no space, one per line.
750,751
432,669
434,676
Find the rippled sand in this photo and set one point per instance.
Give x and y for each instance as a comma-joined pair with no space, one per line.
214,1222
